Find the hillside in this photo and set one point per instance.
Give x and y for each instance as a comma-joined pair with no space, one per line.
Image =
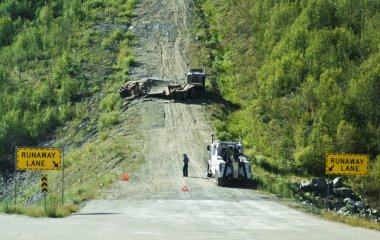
301,78
306,77
58,59
61,63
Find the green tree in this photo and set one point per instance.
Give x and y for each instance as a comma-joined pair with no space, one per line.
6,31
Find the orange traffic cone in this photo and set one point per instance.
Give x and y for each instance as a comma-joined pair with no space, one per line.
126,177
185,189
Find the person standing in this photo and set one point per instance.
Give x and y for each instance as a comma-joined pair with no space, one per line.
185,165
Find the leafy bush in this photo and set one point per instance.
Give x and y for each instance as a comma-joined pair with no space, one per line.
6,31
125,58
373,184
110,103
108,119
305,74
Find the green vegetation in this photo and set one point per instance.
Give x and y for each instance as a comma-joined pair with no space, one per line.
51,59
61,62
88,169
306,77
332,216
353,221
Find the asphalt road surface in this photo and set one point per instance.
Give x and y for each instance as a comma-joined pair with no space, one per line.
252,218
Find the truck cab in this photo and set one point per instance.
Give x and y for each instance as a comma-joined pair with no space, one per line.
196,77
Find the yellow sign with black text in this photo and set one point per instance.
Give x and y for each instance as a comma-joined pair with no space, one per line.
38,158
347,164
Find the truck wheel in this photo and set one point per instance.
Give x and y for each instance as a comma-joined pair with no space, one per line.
209,173
123,92
218,181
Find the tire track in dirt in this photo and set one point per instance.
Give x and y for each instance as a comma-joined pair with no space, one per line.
181,11
163,39
169,129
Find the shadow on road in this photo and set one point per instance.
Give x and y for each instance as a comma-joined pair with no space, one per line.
207,98
251,185
199,177
94,214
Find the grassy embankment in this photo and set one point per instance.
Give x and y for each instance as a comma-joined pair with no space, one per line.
304,74
60,70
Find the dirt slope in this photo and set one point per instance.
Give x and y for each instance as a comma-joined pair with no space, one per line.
163,33
168,129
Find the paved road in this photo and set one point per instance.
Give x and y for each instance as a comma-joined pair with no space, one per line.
182,219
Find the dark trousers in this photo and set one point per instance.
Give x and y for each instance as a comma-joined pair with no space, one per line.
185,167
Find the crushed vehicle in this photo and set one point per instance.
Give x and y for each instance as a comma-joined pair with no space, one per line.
228,164
194,87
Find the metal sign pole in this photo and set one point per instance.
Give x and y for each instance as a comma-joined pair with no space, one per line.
45,203
363,190
15,174
63,175
328,191
15,180
44,188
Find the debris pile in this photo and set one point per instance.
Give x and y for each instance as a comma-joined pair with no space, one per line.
335,196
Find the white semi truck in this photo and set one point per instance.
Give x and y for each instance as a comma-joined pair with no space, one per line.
228,164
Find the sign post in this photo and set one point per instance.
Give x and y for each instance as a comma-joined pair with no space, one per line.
63,178
44,187
347,164
33,158
15,180
44,184
15,177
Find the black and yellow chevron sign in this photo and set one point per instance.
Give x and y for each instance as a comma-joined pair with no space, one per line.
44,183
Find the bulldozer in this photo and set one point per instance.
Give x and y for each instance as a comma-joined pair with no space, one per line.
194,87
228,164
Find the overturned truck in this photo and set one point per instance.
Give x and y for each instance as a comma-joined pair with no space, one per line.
194,87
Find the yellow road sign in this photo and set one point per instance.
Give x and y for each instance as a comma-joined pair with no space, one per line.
44,183
347,164
38,158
